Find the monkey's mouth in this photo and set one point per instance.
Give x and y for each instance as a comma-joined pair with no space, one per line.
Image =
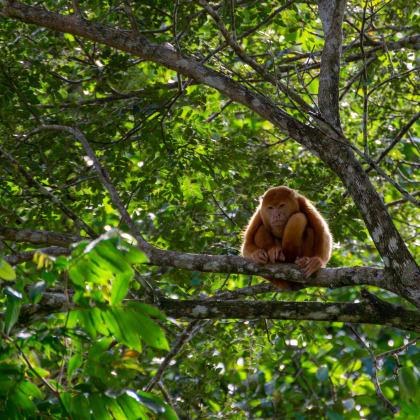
278,222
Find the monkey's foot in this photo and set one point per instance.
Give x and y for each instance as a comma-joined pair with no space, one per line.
309,265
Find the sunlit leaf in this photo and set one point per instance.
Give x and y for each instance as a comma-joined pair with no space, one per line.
6,271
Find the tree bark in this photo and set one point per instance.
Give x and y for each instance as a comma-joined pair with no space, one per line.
366,313
372,311
332,14
327,277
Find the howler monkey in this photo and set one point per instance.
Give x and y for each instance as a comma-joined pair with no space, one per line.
286,227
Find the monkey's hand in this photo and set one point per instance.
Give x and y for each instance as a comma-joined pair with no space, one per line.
275,253
309,265
260,256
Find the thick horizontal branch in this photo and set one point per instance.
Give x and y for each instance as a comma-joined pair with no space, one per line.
327,277
38,236
371,311
25,256
358,313
49,304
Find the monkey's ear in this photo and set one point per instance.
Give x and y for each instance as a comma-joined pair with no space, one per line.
261,198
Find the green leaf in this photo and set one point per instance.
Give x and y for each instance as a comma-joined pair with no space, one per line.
97,404
13,293
76,274
119,287
117,411
151,333
31,389
408,383
108,251
22,401
132,407
79,407
332,415
65,398
98,321
147,309
133,254
112,324
157,405
74,363
130,330
87,323
5,385
36,290
12,313
6,271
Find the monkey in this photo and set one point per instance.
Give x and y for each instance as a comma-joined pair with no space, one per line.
286,227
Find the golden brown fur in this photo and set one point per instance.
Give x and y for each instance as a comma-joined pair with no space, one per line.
286,227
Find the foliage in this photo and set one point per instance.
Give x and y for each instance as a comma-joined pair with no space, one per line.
190,177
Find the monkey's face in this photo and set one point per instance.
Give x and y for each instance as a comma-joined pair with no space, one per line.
277,213
277,206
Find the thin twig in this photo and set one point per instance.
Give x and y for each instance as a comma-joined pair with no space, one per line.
19,94
216,114
389,56
105,178
291,94
401,200
76,8
33,182
398,350
221,209
166,396
183,338
396,76
268,19
379,393
397,138
356,76
132,19
232,19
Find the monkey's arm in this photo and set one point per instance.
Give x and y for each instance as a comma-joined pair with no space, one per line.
293,236
249,246
258,242
322,240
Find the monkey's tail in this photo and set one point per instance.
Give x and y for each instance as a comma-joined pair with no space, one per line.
285,285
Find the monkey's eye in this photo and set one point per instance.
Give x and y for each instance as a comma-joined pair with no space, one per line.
270,207
281,205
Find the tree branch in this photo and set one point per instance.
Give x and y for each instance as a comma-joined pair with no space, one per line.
375,378
291,94
366,313
369,312
33,182
327,277
189,332
25,256
332,14
398,137
39,236
105,178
